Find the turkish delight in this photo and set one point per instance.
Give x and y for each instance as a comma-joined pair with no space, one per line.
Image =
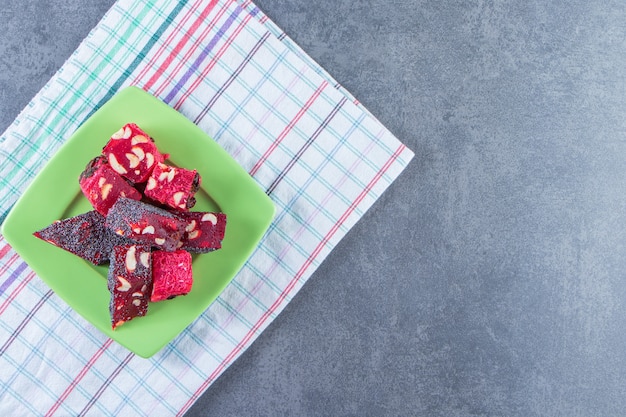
84,235
103,186
129,282
144,223
131,152
171,274
173,186
204,231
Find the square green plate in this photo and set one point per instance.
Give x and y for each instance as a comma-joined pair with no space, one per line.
55,194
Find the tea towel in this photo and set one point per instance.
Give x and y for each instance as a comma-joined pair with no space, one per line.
311,146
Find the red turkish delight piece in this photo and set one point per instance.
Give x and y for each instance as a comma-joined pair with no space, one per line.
204,231
84,235
171,274
129,282
144,223
131,152
102,186
173,186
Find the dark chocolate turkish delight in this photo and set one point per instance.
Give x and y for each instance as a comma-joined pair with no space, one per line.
129,282
144,223
204,231
84,235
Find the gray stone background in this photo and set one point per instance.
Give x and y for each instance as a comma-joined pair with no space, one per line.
489,279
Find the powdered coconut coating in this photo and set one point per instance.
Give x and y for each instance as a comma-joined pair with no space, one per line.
129,282
84,235
144,223
173,186
102,186
204,231
171,274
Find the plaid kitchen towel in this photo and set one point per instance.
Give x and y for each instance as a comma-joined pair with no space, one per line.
320,156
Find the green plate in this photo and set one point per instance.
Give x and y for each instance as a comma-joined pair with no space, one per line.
55,194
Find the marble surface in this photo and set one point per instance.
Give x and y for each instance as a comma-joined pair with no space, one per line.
489,280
